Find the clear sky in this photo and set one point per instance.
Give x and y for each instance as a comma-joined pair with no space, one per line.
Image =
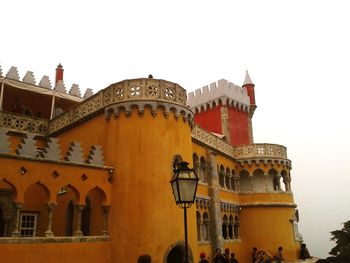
297,53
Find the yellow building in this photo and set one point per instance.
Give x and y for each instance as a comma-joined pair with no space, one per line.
86,179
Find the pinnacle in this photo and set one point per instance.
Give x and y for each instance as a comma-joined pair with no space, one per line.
247,79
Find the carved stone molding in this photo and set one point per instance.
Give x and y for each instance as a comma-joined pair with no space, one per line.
178,110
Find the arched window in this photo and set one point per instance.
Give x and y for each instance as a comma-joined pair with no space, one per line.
230,227
196,166
233,181
224,227
202,170
69,219
2,223
205,227
222,176
244,181
259,180
276,183
236,227
228,178
85,217
198,218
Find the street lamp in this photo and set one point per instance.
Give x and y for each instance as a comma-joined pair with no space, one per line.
184,184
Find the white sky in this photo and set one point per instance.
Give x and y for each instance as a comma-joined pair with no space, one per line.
297,53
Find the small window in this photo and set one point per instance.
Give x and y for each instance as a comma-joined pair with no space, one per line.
28,224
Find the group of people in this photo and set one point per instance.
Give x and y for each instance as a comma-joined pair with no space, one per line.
262,256
220,257
258,256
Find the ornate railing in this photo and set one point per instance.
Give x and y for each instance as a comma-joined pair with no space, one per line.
127,90
212,141
260,150
23,123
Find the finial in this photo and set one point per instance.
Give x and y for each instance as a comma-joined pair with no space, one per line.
150,76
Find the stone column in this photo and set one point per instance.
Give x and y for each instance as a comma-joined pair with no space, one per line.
51,208
79,209
105,209
251,177
214,208
18,207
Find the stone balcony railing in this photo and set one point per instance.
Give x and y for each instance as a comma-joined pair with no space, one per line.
21,123
259,150
124,91
251,151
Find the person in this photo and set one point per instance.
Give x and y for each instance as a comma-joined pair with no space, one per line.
202,257
219,257
279,255
254,255
227,255
233,259
304,252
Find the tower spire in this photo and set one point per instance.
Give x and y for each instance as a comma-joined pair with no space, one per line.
247,79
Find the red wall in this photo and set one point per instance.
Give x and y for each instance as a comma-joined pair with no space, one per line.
238,126
210,120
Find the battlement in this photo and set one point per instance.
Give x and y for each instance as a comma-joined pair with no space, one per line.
223,92
29,78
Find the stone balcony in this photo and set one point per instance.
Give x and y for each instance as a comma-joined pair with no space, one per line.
21,123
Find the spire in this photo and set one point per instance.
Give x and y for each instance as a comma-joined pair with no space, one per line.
247,79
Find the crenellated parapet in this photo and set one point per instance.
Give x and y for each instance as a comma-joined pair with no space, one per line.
222,92
125,95
12,78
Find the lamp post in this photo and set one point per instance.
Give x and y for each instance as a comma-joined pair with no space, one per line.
184,184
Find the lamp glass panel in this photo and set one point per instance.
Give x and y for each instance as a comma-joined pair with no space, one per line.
187,189
175,190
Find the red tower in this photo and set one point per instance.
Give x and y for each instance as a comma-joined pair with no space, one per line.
226,109
59,73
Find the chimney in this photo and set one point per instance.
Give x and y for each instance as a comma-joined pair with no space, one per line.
59,73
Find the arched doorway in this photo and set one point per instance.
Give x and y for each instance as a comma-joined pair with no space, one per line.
176,253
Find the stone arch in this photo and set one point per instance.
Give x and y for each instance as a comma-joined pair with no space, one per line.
176,253
35,209
259,180
95,199
244,181
236,227
67,198
9,185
